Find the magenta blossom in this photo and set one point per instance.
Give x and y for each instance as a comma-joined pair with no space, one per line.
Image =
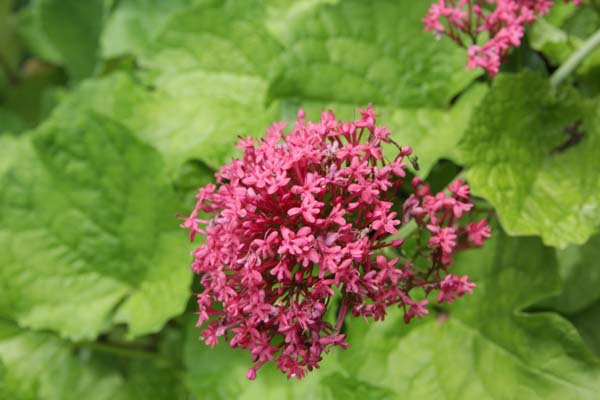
296,228
502,22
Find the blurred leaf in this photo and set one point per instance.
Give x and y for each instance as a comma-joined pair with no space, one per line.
358,52
10,121
208,368
10,48
558,45
41,366
192,175
134,24
528,157
30,98
65,32
88,232
11,146
580,271
283,13
587,322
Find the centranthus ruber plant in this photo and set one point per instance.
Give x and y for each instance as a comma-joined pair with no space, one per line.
301,220
501,22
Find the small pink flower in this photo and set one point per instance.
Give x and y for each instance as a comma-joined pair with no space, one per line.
453,287
478,231
417,309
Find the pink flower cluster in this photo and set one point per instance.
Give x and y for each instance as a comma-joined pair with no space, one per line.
294,231
502,22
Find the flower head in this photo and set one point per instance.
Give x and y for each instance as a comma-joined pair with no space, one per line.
303,216
502,22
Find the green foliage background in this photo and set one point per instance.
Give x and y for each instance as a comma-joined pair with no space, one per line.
113,112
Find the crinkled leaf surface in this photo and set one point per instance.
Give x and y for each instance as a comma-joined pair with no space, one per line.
521,157
41,366
215,62
210,67
88,231
176,120
369,51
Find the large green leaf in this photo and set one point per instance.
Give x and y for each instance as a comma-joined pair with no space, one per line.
88,231
177,119
587,322
65,32
528,157
134,24
580,272
10,49
485,346
359,52
10,121
41,366
206,83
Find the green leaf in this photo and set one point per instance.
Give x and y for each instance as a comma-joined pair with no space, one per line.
10,121
178,120
558,45
134,24
214,63
485,346
65,32
376,52
204,84
283,13
30,99
43,367
521,157
10,47
580,271
587,322
559,34
88,232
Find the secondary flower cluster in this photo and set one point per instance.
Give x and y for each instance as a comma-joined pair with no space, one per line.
502,22
294,231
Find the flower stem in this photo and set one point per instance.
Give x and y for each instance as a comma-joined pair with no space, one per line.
575,59
121,351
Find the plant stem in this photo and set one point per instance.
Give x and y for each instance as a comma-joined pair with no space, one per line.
121,351
575,59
